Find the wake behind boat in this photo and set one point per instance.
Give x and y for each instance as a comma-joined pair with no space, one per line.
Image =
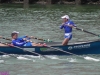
80,48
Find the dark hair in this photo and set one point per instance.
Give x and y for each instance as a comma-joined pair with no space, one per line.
12,34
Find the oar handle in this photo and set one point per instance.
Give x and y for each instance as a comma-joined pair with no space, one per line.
87,31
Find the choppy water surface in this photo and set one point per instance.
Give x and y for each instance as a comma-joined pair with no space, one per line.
44,23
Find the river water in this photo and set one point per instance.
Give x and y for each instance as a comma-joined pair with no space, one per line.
44,23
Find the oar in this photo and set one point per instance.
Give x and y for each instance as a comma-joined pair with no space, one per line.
8,54
30,51
18,57
87,57
6,38
32,38
42,39
87,31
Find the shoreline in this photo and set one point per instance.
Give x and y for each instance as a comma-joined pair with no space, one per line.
63,2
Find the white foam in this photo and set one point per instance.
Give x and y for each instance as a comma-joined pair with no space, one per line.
23,58
42,58
5,56
72,60
33,60
52,57
2,61
32,56
90,58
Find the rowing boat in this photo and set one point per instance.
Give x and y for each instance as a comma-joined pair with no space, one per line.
80,48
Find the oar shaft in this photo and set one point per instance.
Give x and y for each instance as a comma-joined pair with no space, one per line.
39,39
29,51
31,38
87,58
87,31
6,38
63,51
42,39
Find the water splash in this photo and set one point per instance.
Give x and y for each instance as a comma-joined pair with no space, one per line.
52,57
72,60
23,58
34,57
5,56
2,61
92,59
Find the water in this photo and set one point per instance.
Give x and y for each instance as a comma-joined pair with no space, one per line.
44,23
65,65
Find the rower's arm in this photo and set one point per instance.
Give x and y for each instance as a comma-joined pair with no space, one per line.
62,26
23,38
71,24
15,43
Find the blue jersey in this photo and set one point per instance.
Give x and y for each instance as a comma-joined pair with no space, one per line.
19,41
67,28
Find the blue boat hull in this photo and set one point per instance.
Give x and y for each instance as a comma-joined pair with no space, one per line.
78,48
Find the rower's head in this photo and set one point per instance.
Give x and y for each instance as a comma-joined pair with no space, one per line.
14,34
65,18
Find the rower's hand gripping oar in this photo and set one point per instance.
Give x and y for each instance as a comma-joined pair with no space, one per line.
86,31
87,57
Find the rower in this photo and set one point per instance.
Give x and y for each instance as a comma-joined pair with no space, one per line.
67,25
16,41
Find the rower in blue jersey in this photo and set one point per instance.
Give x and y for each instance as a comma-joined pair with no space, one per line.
22,41
67,25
